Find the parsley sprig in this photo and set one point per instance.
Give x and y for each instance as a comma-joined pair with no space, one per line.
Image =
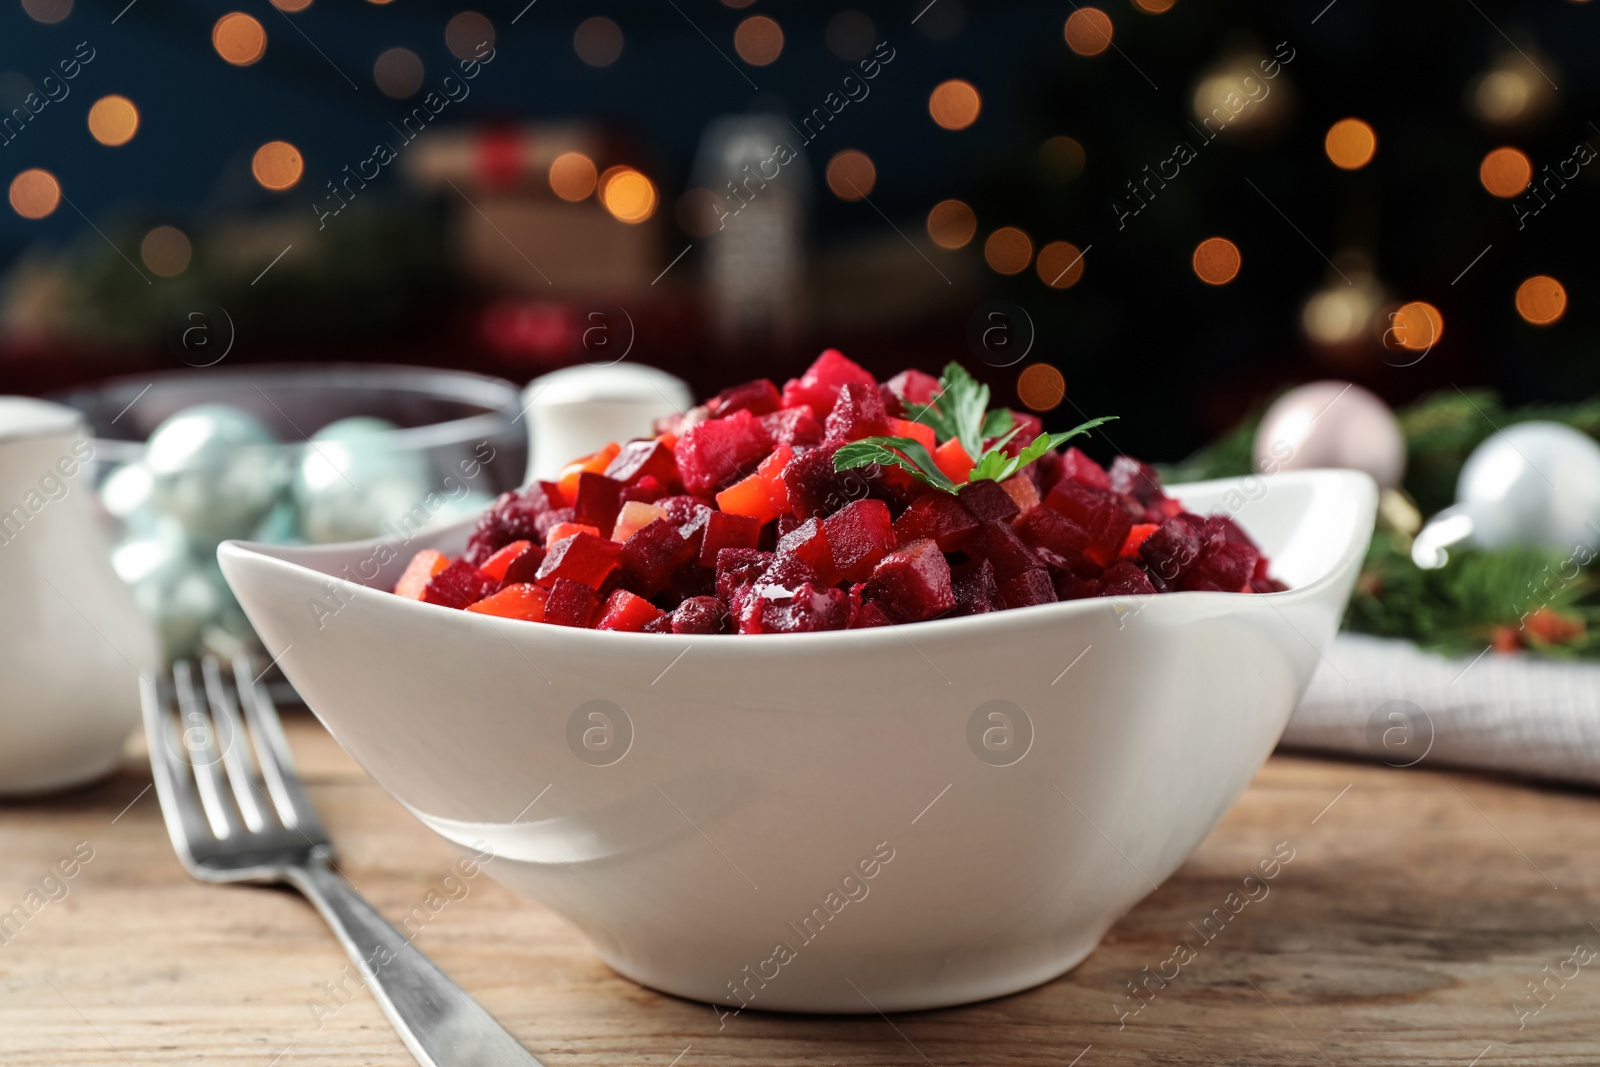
960,410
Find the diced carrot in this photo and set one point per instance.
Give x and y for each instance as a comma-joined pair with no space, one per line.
495,566
1022,490
627,611
594,464
419,572
563,530
749,497
771,472
519,601
669,439
914,430
953,460
1136,536
635,516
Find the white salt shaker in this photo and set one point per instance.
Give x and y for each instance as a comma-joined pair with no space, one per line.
72,642
578,410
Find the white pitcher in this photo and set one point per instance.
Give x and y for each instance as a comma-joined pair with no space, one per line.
72,642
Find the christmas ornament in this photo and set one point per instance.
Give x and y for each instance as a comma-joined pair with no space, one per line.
1331,424
1534,484
217,470
353,478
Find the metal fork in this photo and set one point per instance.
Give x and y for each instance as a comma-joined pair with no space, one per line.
234,817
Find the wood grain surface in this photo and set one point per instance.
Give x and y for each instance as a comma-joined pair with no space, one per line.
1417,908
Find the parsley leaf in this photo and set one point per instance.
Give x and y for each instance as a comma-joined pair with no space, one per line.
907,453
961,410
997,466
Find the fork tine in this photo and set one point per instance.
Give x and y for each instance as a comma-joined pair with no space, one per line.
199,746
235,747
180,807
272,748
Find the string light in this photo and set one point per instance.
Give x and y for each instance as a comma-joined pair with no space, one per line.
627,194
1061,158
851,175
113,120
166,251
1350,144
239,39
398,72
1060,264
598,41
1541,300
47,11
572,176
468,35
1153,7
955,104
1041,387
1008,250
758,40
1088,31
35,193
1416,327
951,224
1216,261
277,166
288,5
1505,172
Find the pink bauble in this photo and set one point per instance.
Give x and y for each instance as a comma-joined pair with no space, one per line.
1331,424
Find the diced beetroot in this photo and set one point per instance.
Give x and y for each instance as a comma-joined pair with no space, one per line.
1071,587
627,611
512,517
1125,578
700,615
912,583
988,502
647,488
936,515
458,585
739,567
793,426
811,608
858,536
689,580
642,459
998,543
976,591
1225,565
549,520
819,386
1023,491
1228,530
524,567
584,558
1080,468
1059,541
858,413
1047,470
808,543
694,531
495,566
662,625
869,615
1138,480
599,498
1267,585
759,397
815,488
720,451
727,531
650,556
1098,512
1162,510
570,603
1031,426
916,389
1172,548
1027,589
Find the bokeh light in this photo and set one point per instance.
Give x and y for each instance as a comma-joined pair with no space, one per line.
1008,250
758,40
737,3
1338,315
287,5
1061,159
1088,31
1041,387
166,251
277,166
1154,7
469,35
598,41
955,104
47,11
239,39
1541,300
1216,261
1416,327
572,176
398,72
1060,264
851,35
1350,144
1505,172
951,224
627,194
851,175
35,193
113,120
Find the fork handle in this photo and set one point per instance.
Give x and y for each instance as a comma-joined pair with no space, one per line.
437,1020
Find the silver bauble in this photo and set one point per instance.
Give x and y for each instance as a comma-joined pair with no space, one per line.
352,479
1331,424
217,470
1534,483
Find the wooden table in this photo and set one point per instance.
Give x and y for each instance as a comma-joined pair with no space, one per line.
1417,907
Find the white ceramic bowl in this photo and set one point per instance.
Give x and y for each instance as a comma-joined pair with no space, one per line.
897,818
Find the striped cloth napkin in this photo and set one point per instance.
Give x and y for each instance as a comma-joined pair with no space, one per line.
1383,699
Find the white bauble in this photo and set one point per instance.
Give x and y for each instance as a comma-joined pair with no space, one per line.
1331,424
216,469
1533,483
352,480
